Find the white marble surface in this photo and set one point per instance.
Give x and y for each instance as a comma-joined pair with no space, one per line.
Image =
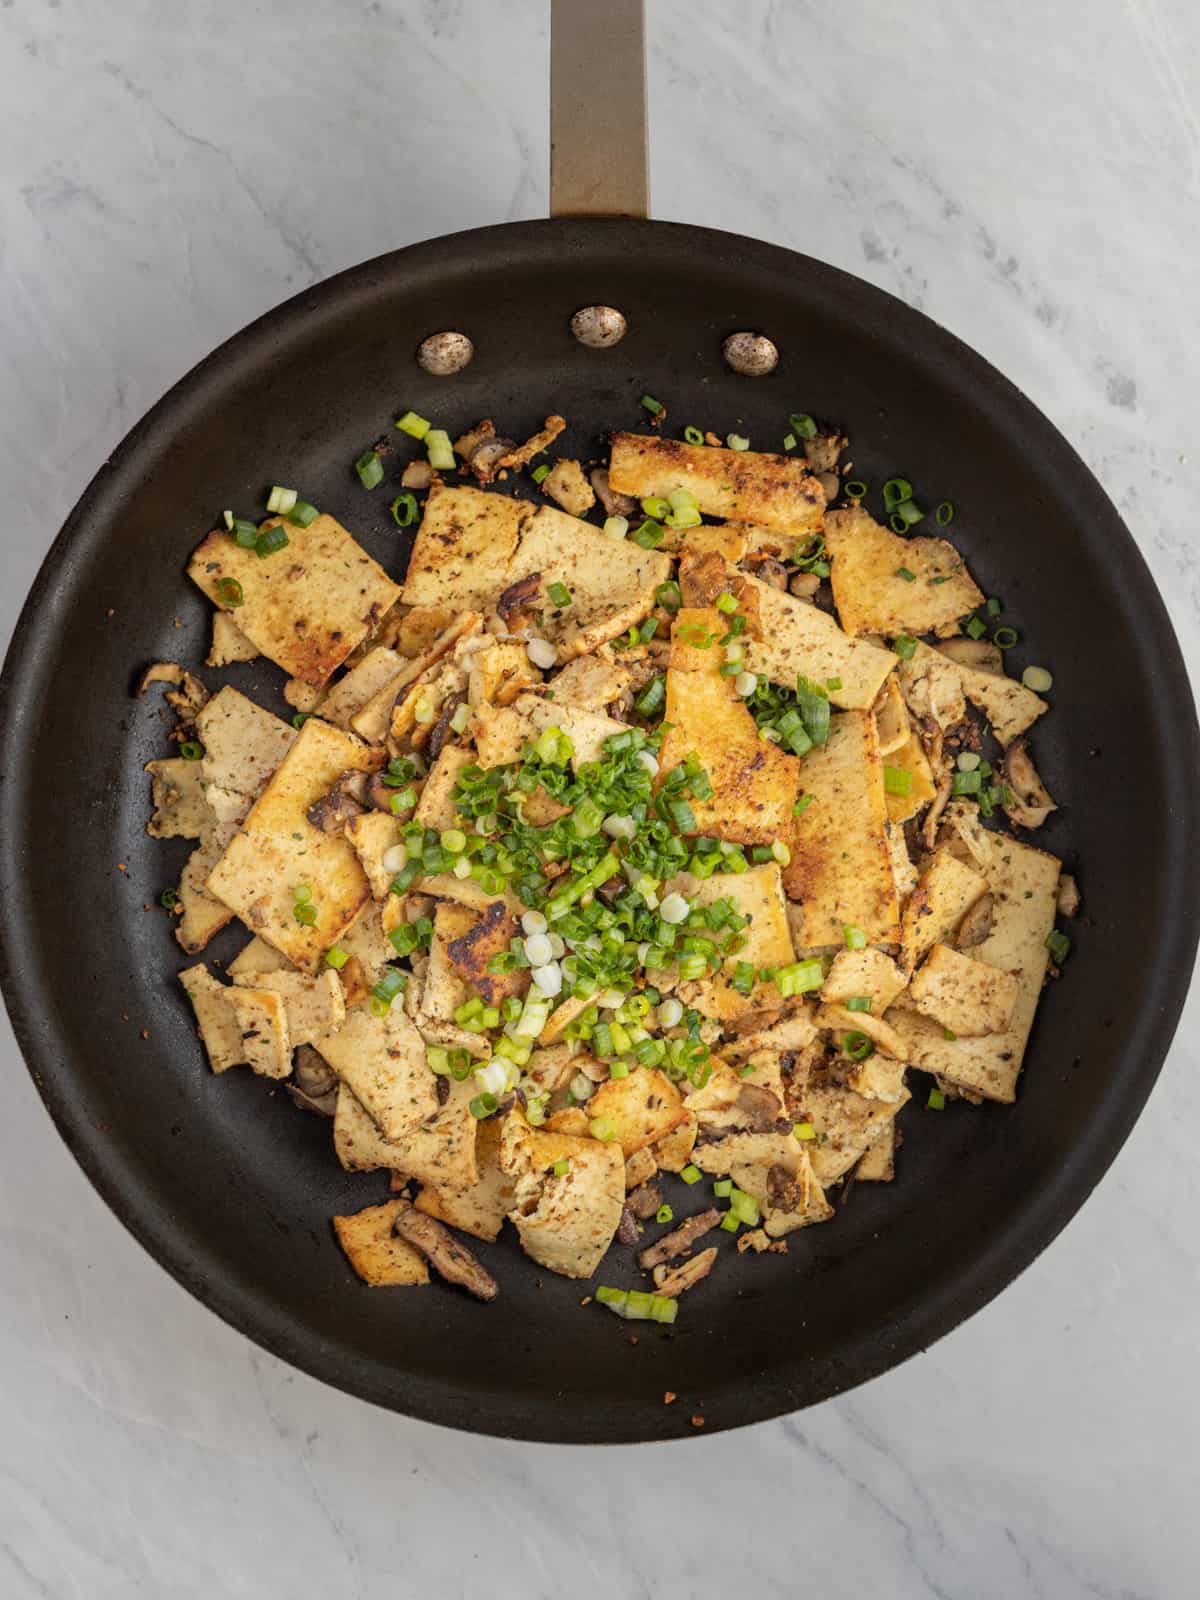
1029,174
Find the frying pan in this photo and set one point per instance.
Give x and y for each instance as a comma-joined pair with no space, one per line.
228,1186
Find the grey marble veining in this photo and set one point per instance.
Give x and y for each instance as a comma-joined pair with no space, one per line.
1028,175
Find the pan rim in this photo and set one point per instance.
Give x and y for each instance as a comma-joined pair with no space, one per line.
955,1296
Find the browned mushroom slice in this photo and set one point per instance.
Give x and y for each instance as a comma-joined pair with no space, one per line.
1069,898
189,694
344,801
518,600
313,1084
680,1240
644,1201
450,1259
534,445
1031,801
379,794
615,505
417,475
977,924
674,1281
467,443
823,449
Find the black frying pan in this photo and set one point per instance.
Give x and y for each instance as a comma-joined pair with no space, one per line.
227,1185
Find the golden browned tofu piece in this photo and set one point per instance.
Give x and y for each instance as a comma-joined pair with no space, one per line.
736,485
870,589
278,850
969,997
306,606
471,952
754,782
566,1221
374,1251
757,894
795,638
464,544
480,1208
643,1108
381,1060
841,866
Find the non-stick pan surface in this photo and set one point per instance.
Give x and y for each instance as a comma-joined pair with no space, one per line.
227,1185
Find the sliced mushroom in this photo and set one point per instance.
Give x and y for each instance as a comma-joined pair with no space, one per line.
674,1281
346,799
772,572
645,1200
467,443
980,654
977,924
313,1084
831,484
444,1253
1032,802
627,1228
785,1191
189,695
534,445
680,1240
518,600
442,731
379,795
933,816
615,505
487,459
822,452
1069,898
804,584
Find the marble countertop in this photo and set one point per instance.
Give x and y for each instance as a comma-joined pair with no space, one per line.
1028,175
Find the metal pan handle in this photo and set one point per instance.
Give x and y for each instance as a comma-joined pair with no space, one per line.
598,152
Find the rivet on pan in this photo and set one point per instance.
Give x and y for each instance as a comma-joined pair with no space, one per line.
598,327
751,354
444,353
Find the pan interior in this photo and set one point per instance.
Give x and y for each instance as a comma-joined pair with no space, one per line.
229,1186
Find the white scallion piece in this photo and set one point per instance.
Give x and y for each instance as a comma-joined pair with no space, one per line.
533,922
542,653
674,909
395,859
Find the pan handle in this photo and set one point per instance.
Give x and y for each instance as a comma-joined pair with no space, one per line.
598,153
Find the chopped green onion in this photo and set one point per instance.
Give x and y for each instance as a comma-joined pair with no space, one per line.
191,750
905,646
897,780
615,527
669,596
737,441
744,1207
1059,945
414,425
799,977
653,406
804,1130
857,1045
559,594
664,1214
336,957
693,435
1037,679
936,1101
948,1033
833,684
975,627
730,1223
906,574
652,698
726,603
603,1128
655,506
723,1188
303,514
993,606
439,450
649,536
802,805
540,474
802,425
168,899
1005,638
391,984
230,592
691,1174
300,718
370,469
966,782
280,500
789,441
895,492
271,540
305,913
966,761
483,1105
944,515
245,534
855,489
859,1002
404,509
854,936
437,1060
908,513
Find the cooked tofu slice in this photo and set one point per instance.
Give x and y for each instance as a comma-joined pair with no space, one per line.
367,942
846,1124
243,744
736,485
372,721
502,732
754,783
903,870
883,583
436,808
969,997
877,1164
498,673
471,952
382,1061
440,1152
1024,884
932,688
181,810
865,975
891,718
372,834
591,683
612,581
798,639
229,643
480,1209
910,759
445,987
373,1250
202,913
643,1107
279,849
674,1152
932,683
307,606
565,1222
464,545
566,484
789,1195
261,1019
757,894
217,1025
255,959
945,892
841,866
315,1006
364,680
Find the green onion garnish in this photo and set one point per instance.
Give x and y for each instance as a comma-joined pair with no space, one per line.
802,425
664,1214
302,514
905,646
280,500
855,489
727,603
168,899
857,1045
652,698
691,1174
895,492
833,683
404,509
191,750
908,513
270,540
559,594
300,718
802,805
966,782
653,406
245,534
540,474
649,536
737,441
789,441
936,1101
336,957
897,780
439,450
906,574
411,423
668,595
854,936
483,1105
944,515
993,606
229,592
693,435
859,1002
390,985
1059,945
369,468
975,627
1005,638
